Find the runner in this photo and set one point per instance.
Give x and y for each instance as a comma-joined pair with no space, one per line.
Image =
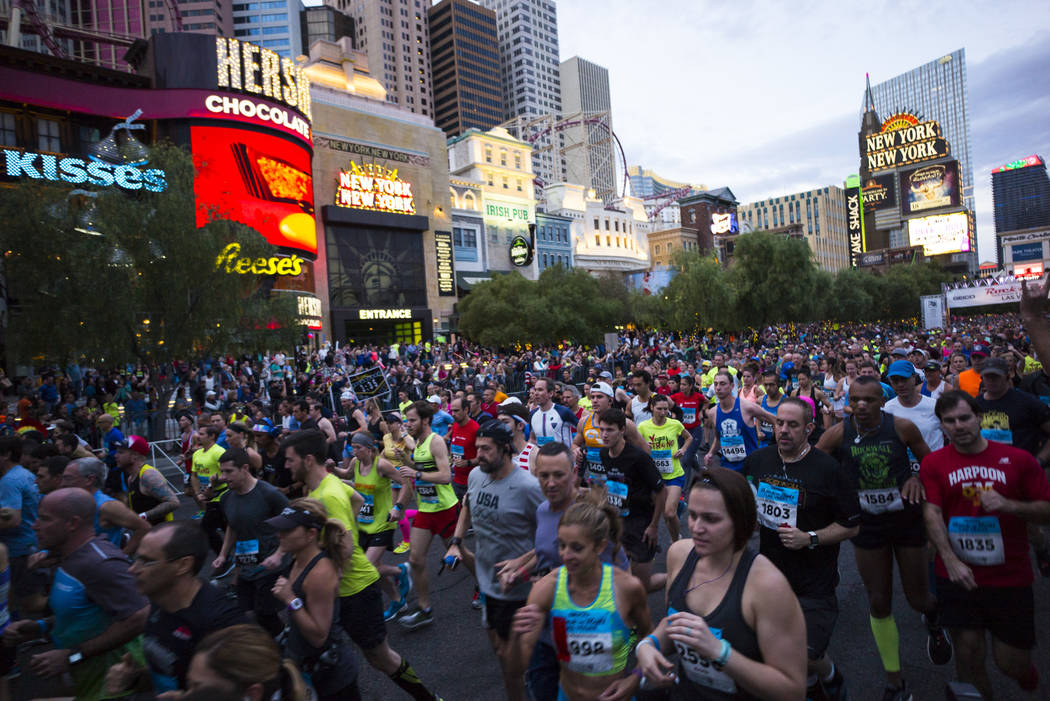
516,418
248,540
587,444
770,402
635,487
979,496
500,506
149,494
692,405
113,520
314,639
806,509
734,420
206,488
873,447
461,446
396,446
437,504
550,421
912,405
743,637
592,640
663,434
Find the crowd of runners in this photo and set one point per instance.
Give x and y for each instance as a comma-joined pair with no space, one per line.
548,474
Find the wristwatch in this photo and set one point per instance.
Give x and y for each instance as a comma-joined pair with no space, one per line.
455,540
75,655
419,475
295,604
814,541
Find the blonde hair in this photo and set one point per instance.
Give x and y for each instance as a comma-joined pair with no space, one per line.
598,518
245,654
333,538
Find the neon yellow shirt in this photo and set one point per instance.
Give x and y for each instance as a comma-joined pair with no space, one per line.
663,440
335,495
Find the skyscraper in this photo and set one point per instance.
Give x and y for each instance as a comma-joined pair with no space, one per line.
272,24
934,91
589,155
528,52
1021,195
200,16
464,63
395,36
324,23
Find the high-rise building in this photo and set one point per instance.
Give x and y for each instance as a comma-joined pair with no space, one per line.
324,23
660,195
272,24
395,36
464,62
821,214
935,91
200,16
49,15
1021,195
589,155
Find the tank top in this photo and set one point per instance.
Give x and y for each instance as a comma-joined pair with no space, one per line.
373,428
522,458
697,677
590,640
379,499
432,497
592,439
113,533
141,503
737,440
876,465
765,429
332,666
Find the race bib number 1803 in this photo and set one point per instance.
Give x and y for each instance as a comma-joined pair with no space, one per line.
777,506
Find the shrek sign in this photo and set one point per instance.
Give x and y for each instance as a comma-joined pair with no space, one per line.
520,251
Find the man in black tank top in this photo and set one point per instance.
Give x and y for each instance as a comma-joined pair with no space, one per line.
805,509
873,447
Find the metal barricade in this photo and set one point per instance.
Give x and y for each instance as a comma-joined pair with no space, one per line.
167,465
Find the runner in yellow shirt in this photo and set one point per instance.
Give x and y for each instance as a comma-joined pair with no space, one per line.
662,433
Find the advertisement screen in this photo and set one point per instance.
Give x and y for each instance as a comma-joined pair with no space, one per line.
930,187
880,192
374,267
939,234
1028,251
256,179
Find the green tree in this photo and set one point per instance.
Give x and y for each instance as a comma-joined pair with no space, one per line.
146,285
698,296
774,278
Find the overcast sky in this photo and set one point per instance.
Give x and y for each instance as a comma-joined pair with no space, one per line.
764,97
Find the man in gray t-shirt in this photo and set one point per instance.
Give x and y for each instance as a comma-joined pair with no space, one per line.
500,503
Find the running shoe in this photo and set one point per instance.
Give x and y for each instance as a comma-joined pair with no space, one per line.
225,573
393,609
938,644
476,601
402,548
900,693
417,618
404,582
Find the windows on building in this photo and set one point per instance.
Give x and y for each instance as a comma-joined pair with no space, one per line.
47,135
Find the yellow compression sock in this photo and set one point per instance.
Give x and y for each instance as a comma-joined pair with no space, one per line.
888,641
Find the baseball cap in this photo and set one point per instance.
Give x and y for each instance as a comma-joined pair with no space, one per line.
901,368
136,444
933,365
346,396
979,349
362,439
210,393
900,350
510,400
263,426
997,366
434,399
605,374
292,516
604,388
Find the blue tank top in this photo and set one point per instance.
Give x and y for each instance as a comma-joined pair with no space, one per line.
737,440
765,432
114,534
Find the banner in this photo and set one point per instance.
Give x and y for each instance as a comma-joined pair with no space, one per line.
929,187
932,311
446,267
1003,293
871,258
854,219
880,192
370,383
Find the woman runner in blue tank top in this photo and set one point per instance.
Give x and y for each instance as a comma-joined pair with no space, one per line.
732,620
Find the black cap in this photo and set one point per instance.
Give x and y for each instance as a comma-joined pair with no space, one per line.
292,517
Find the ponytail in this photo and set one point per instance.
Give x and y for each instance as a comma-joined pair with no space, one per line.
336,543
599,518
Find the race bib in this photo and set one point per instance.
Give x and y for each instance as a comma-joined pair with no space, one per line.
1000,435
767,430
664,461
977,540
544,440
594,464
590,653
777,506
246,553
618,496
689,415
701,671
456,450
205,480
733,448
426,492
880,501
367,512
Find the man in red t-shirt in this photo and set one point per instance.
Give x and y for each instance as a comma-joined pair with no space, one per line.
461,448
979,497
692,405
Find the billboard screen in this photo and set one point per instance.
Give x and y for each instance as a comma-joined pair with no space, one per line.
257,179
939,234
880,192
929,187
